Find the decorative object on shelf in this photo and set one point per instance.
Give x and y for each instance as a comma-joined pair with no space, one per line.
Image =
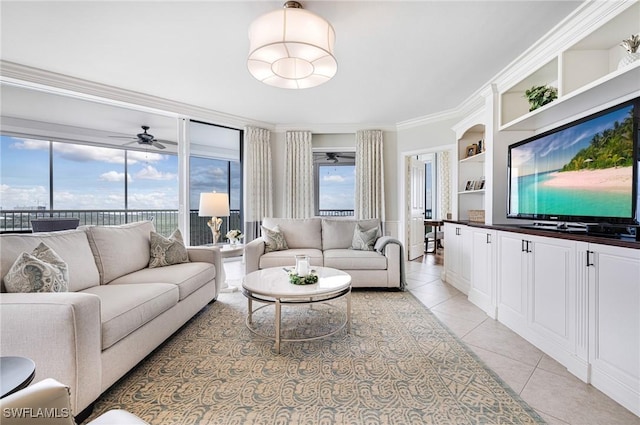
477,216
472,150
234,236
480,145
631,45
469,185
292,48
214,205
540,95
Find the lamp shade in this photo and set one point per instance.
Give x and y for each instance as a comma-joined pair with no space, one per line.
213,204
292,48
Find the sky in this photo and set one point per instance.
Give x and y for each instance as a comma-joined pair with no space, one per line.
337,187
552,152
85,177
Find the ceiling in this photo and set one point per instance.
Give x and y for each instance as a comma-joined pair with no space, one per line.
397,60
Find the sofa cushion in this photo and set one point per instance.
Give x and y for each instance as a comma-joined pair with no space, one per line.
167,251
42,270
299,233
288,258
125,308
338,233
189,277
274,239
71,246
119,250
363,240
349,259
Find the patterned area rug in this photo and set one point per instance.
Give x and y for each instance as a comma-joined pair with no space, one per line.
399,365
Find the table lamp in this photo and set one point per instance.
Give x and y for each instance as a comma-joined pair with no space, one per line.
214,205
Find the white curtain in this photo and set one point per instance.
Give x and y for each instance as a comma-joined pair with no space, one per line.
444,184
369,175
258,200
298,175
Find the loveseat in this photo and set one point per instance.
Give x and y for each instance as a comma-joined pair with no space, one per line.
330,243
116,309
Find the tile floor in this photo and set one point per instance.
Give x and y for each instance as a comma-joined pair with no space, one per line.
559,397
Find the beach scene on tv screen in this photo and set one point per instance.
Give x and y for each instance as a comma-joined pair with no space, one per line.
585,170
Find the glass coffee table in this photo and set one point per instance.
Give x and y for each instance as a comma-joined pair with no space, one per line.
272,287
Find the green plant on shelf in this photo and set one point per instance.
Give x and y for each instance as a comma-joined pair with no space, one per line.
540,95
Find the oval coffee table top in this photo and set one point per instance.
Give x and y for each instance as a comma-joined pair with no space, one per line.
274,282
16,373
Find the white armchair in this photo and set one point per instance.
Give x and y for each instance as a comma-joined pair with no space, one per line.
48,402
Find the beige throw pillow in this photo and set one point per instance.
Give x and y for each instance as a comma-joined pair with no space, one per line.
167,251
364,240
41,271
274,239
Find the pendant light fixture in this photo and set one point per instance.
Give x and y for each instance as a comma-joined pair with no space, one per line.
291,48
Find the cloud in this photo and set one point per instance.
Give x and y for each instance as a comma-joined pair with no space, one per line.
151,173
12,197
334,178
113,176
86,153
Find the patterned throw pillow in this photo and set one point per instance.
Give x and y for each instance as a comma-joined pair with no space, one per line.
364,240
274,239
167,251
41,271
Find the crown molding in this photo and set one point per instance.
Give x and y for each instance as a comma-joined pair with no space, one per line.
19,75
333,128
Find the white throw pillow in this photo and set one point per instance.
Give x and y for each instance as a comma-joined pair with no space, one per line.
364,240
167,251
41,271
274,239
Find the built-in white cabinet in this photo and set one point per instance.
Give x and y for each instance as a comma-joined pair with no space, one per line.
578,302
614,322
483,288
457,260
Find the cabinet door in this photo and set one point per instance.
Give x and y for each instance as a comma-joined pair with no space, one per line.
512,272
614,325
457,256
482,292
553,290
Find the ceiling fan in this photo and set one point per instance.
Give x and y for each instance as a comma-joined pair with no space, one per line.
333,157
146,139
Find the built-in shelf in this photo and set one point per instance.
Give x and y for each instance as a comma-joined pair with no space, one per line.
585,73
470,192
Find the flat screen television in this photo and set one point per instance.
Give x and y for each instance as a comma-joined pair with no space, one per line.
585,171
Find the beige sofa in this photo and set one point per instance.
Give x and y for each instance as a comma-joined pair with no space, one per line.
328,242
116,310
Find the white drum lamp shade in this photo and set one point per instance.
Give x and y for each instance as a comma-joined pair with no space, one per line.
213,204
292,48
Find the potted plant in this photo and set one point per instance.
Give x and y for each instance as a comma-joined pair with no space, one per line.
540,95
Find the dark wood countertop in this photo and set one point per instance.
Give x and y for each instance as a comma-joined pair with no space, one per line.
582,237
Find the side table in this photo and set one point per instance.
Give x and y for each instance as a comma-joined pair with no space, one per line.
230,251
15,374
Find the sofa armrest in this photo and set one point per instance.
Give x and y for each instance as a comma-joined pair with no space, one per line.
390,248
252,253
61,333
209,254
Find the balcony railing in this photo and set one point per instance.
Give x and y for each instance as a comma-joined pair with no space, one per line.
165,221
335,213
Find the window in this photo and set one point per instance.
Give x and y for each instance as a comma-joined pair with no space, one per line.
334,176
214,165
24,175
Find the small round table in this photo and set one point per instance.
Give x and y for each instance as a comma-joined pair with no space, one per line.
272,286
15,374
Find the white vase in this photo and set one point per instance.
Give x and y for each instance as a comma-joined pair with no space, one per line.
628,59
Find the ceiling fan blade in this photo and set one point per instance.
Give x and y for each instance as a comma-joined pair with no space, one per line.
166,142
131,143
157,145
124,137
